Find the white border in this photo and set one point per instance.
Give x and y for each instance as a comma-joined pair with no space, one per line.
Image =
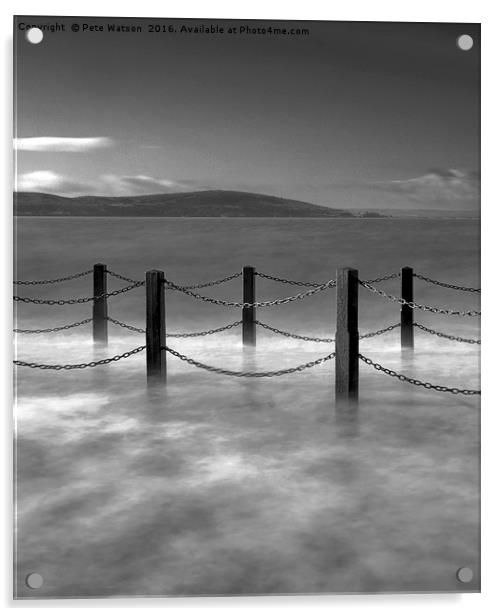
488,13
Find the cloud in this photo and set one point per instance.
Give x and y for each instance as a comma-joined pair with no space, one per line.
106,185
61,144
49,182
438,185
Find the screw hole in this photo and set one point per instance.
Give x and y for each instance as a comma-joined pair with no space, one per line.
34,581
464,575
464,42
34,36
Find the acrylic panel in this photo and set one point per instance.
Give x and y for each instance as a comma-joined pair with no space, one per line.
247,301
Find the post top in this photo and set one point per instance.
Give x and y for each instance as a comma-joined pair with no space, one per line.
347,270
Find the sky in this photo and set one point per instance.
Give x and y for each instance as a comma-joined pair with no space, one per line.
351,115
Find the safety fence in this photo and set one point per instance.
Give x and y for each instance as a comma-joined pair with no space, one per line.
346,351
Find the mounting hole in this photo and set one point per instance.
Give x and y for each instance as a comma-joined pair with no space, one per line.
464,575
34,35
464,42
34,581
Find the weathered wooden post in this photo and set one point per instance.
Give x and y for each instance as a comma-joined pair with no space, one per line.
347,335
156,370
100,306
249,313
406,312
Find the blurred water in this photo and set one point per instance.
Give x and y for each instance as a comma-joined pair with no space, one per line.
219,485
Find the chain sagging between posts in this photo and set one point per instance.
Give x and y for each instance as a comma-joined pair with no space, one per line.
346,340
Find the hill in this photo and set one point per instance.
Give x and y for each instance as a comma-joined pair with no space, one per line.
207,203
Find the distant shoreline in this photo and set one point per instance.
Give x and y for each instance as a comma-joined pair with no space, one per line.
336,218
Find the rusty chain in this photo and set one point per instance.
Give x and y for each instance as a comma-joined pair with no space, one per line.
55,280
403,302
407,379
266,304
449,337
80,300
50,330
91,364
447,285
198,364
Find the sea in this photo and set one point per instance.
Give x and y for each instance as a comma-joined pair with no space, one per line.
222,485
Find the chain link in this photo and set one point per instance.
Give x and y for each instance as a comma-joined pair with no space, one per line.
291,335
300,368
189,335
446,285
379,331
265,304
91,364
126,326
208,332
442,335
383,278
407,379
212,283
287,281
403,302
120,277
50,330
313,339
53,281
80,300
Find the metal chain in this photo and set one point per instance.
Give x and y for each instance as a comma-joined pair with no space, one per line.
291,335
442,335
209,332
212,283
446,285
72,277
126,326
312,339
91,364
198,364
287,281
403,302
383,278
379,331
52,329
80,300
265,304
402,377
120,277
190,335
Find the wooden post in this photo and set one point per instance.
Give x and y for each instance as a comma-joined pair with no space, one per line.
249,314
100,306
406,312
156,370
347,335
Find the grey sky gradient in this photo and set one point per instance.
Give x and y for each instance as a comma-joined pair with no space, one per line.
353,115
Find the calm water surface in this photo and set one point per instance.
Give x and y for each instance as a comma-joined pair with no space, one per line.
219,485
